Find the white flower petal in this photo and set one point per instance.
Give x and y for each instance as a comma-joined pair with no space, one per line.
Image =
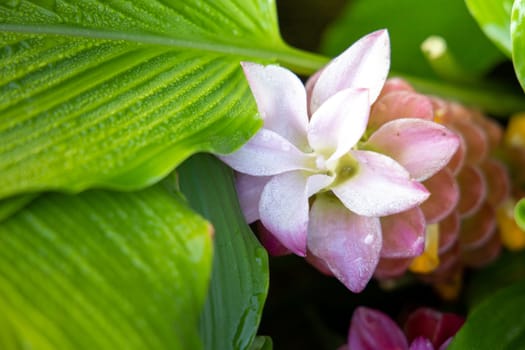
364,65
283,209
380,187
268,153
281,100
348,244
339,123
316,183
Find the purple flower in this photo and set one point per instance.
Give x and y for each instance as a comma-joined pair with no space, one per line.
315,178
425,329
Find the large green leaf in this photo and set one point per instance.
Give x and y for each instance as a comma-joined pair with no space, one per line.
11,205
103,270
493,16
117,93
497,323
409,23
517,34
240,269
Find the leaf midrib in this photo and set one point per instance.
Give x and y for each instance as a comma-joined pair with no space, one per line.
247,48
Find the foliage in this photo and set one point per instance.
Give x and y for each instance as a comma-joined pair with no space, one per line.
240,273
115,234
500,319
409,23
105,270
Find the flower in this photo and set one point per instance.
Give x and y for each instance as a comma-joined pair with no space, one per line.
465,195
315,178
425,329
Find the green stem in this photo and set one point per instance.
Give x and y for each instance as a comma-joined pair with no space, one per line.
301,62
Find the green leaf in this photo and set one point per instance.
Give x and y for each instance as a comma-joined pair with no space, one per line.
11,205
262,343
519,213
508,269
103,270
117,93
409,23
493,16
240,269
500,320
517,34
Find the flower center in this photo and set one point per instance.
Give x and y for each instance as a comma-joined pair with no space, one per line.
346,168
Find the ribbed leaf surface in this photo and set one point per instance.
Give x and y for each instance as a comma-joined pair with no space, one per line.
117,93
103,270
240,278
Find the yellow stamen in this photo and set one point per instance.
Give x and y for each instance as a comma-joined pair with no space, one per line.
515,132
449,289
429,260
512,237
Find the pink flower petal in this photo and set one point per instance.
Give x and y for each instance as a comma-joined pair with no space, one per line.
281,100
283,209
436,326
319,264
477,143
380,187
339,123
478,228
492,129
448,232
448,262
268,153
272,244
498,182
472,188
444,196
373,330
396,84
458,159
403,234
364,65
249,189
421,343
400,104
483,255
348,244
422,147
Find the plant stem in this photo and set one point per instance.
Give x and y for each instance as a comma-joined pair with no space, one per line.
301,62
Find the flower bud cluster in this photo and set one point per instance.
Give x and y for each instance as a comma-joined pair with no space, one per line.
461,212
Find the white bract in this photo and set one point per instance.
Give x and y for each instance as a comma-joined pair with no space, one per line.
311,145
